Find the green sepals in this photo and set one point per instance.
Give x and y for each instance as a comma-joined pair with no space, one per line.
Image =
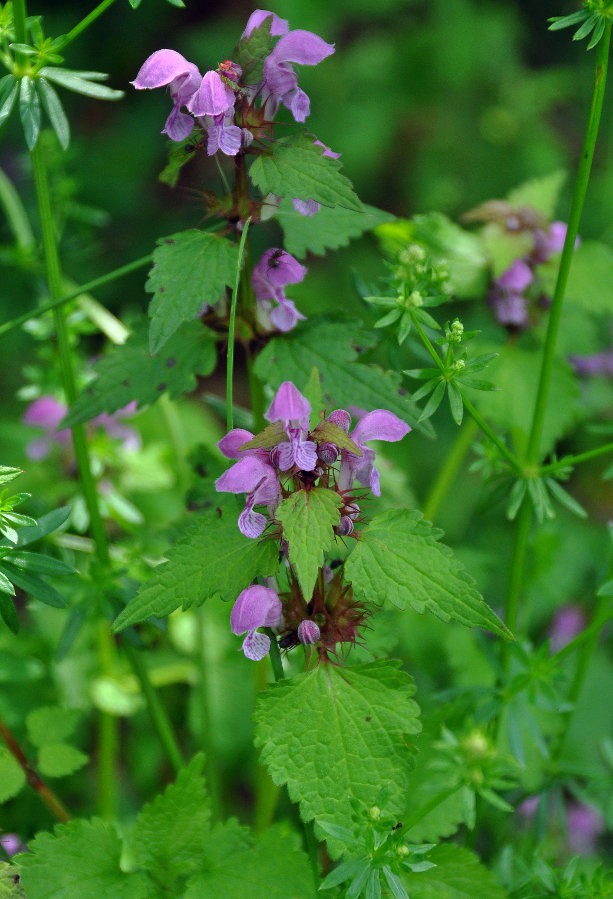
334,735
179,154
129,372
55,112
250,52
328,229
85,83
9,88
12,775
189,269
29,110
308,519
159,840
296,167
271,436
81,860
421,573
211,558
328,432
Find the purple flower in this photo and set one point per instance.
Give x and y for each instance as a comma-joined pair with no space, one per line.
546,243
213,97
223,134
566,625
46,412
11,843
377,425
506,296
585,824
272,273
280,84
308,632
292,409
597,364
277,26
517,277
258,479
256,607
116,429
167,67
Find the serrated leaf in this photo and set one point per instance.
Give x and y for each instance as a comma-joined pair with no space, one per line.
212,557
159,842
308,519
82,82
29,110
130,372
51,724
329,346
328,229
250,52
540,194
190,268
10,888
46,525
79,861
458,875
12,776
54,109
60,759
296,167
33,585
235,864
337,734
398,559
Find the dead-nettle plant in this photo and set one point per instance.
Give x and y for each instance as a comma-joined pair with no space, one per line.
320,555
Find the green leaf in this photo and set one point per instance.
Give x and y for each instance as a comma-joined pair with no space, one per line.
8,612
398,559
41,564
60,760
336,734
212,557
82,82
159,842
178,156
55,111
51,724
458,875
29,110
190,268
329,347
6,586
9,474
328,229
590,280
46,525
308,519
296,167
9,88
12,776
455,402
33,586
236,864
435,400
250,52
10,888
541,194
130,372
79,861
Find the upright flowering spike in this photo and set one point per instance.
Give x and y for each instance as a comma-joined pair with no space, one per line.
292,409
280,83
256,607
167,67
377,425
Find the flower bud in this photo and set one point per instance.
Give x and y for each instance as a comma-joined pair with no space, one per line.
340,418
345,526
328,453
375,812
308,632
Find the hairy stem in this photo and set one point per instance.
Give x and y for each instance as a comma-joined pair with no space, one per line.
34,779
231,327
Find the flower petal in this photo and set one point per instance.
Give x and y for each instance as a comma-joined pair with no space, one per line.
161,68
277,26
251,524
256,646
230,445
517,277
285,316
245,475
179,125
288,404
380,425
302,47
306,207
256,606
213,97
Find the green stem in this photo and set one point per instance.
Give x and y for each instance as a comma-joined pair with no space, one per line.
571,461
231,328
518,560
204,700
581,182
157,711
474,414
21,29
84,23
450,469
275,656
84,288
